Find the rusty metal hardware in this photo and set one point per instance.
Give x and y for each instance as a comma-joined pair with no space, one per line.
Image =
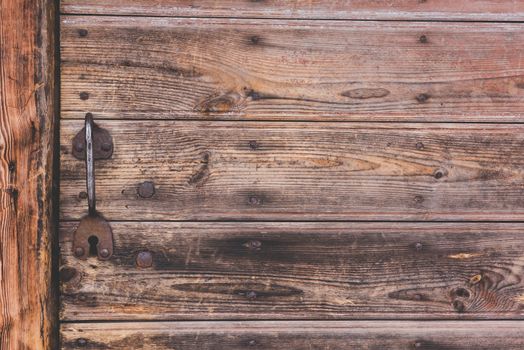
102,142
93,235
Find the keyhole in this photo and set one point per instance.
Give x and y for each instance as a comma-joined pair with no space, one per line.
93,243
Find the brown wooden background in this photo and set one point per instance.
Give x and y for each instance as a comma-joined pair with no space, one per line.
342,174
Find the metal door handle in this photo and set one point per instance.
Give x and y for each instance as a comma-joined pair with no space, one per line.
90,165
93,236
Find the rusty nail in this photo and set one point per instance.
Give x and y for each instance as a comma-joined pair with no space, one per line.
144,259
104,253
423,39
251,295
253,145
82,297
146,189
81,342
79,251
82,195
420,145
84,95
82,32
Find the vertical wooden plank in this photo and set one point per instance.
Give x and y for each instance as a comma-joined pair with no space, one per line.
27,135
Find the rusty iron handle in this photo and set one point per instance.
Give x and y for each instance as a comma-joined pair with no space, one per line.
90,165
93,235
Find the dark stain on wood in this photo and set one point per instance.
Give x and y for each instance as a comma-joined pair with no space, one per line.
296,270
331,171
199,178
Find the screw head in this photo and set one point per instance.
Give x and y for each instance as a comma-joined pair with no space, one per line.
146,189
144,259
79,251
104,253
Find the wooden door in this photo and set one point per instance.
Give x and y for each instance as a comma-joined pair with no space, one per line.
306,174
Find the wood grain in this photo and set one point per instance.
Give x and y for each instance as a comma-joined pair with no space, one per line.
295,335
494,10
28,308
213,270
161,68
301,171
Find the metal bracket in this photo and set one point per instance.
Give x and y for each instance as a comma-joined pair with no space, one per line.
93,235
102,143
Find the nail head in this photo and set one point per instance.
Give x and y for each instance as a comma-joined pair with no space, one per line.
79,251
104,253
146,189
144,259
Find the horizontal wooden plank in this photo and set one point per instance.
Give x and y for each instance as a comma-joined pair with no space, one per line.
301,171
298,271
295,335
161,68
496,10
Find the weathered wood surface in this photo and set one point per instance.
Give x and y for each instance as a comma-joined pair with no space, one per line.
324,270
161,68
295,335
301,171
494,10
28,314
